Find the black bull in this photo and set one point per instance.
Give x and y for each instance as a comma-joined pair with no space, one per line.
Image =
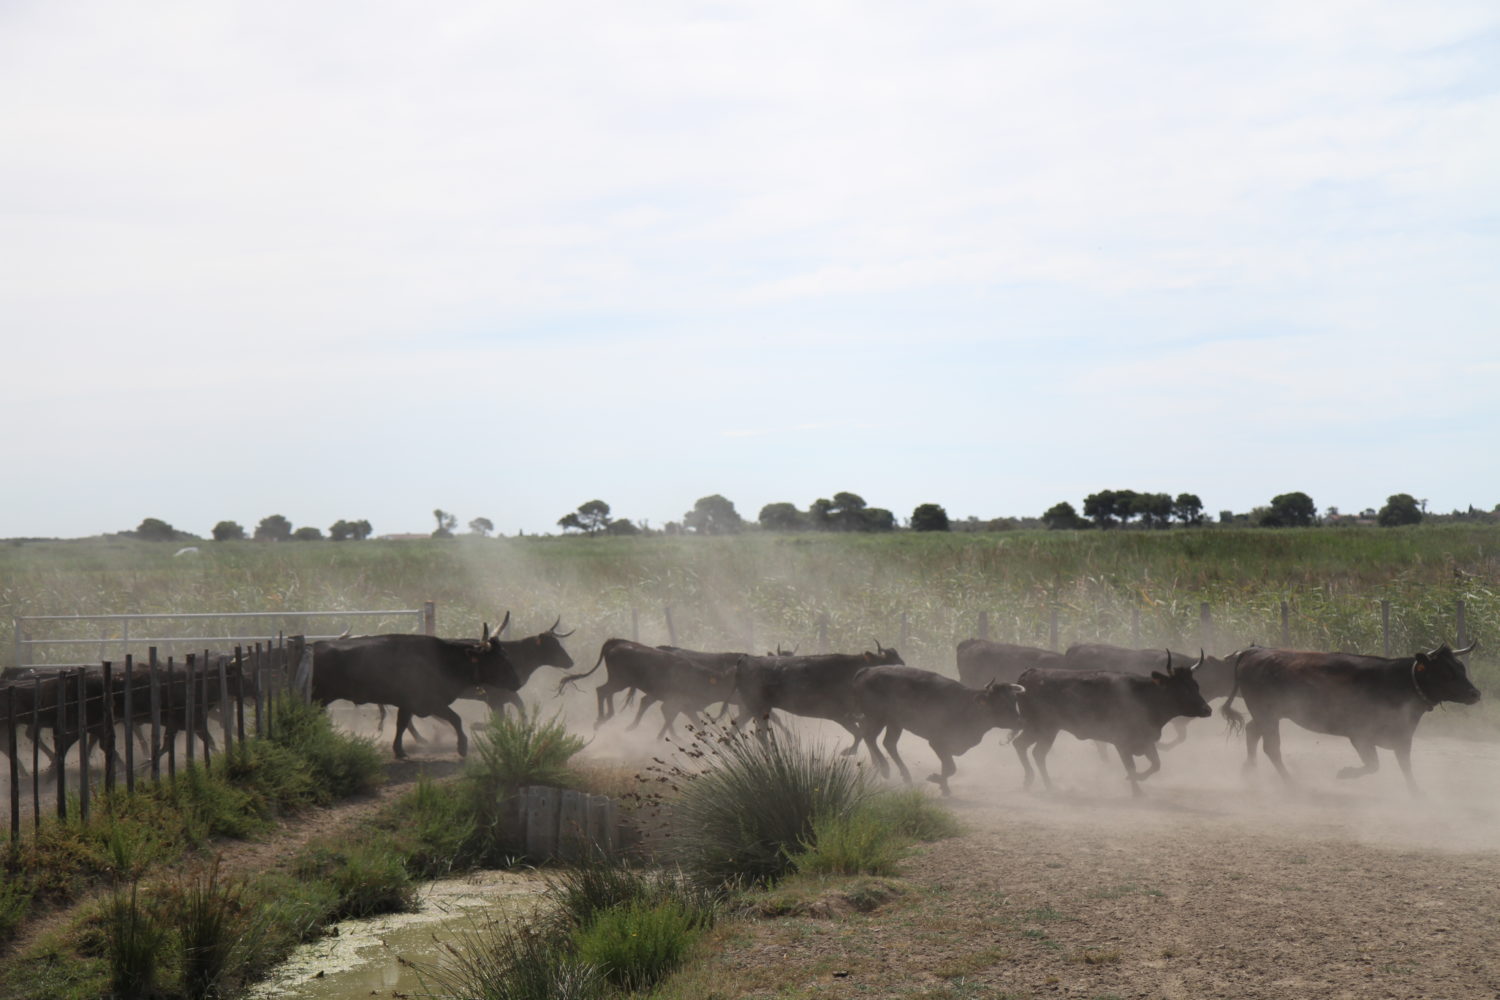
819,687
1125,710
951,717
421,675
1373,701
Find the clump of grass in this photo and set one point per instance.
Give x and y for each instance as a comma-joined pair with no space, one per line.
635,946
343,765
598,884
512,961
15,903
215,930
367,878
751,803
913,814
855,843
436,827
134,939
516,750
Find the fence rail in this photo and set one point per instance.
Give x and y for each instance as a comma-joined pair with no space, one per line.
117,645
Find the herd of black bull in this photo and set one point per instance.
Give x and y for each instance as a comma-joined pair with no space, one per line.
1118,696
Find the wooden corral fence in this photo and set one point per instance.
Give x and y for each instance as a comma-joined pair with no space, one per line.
556,824
166,710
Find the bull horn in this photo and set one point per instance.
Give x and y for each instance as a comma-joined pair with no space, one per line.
503,624
1202,656
484,632
1169,659
1467,649
560,635
345,634
878,647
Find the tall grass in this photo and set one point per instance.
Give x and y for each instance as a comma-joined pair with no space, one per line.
512,961
747,804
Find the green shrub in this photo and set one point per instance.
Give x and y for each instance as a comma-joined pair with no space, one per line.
343,765
512,961
275,777
635,946
855,843
436,828
367,878
913,814
750,804
15,903
214,929
600,883
514,751
133,939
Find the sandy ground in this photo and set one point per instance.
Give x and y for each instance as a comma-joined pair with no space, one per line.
1216,883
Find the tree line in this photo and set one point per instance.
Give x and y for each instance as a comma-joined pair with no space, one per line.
849,512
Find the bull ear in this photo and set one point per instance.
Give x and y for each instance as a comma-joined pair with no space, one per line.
870,657
537,640
1158,677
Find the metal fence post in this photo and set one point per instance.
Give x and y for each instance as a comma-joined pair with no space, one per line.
429,617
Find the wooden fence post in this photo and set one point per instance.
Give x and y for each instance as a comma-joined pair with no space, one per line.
541,822
129,723
602,824
1286,625
1385,626
572,826
15,768
984,624
429,618
671,629
36,754
83,744
239,697
171,701
59,762
155,673
109,727
635,625
189,706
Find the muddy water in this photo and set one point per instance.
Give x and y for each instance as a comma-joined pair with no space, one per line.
361,960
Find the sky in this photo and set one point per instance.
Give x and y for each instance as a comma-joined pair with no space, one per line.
356,260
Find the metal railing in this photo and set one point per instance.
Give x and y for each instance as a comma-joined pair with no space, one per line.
115,638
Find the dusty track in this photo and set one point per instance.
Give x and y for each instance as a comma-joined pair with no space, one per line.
1213,885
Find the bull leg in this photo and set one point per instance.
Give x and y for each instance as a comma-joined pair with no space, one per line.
1270,735
451,717
1403,757
1370,760
403,719
604,694
1022,743
1128,759
669,716
871,730
646,702
853,730
892,737
1150,754
1179,726
1252,739
948,769
1044,747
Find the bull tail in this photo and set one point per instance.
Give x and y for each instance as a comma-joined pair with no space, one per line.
1232,716
570,678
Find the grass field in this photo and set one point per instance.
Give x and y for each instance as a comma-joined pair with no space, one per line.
759,590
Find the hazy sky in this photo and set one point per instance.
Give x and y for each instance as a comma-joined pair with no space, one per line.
362,260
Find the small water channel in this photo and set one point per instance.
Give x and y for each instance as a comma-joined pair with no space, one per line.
360,960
